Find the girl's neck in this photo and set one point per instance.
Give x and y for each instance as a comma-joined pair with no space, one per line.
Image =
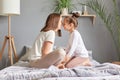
71,30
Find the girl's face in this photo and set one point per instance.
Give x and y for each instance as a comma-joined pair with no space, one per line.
67,26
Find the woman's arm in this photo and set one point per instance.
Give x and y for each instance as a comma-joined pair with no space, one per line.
47,47
48,43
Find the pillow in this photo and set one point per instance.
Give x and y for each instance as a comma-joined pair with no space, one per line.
26,55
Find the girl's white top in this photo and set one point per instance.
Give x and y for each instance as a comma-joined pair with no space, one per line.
76,45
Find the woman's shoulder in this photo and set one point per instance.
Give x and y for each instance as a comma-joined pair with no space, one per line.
51,31
48,32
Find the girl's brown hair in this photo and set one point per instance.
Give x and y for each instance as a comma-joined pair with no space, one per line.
72,19
51,22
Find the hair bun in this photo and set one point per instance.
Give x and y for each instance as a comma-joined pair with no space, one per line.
76,15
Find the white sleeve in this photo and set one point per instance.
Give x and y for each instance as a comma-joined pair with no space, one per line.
82,49
73,44
50,36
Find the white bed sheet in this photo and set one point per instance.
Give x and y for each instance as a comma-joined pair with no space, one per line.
21,71
116,77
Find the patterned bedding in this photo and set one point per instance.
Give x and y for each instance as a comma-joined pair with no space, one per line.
105,71
115,77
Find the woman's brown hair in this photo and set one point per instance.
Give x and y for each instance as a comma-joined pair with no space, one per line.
51,22
72,19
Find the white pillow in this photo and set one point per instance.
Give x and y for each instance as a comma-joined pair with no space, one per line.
26,55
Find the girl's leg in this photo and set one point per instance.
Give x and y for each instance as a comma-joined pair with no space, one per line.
53,58
78,61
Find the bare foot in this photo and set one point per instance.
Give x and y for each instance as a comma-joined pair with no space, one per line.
61,66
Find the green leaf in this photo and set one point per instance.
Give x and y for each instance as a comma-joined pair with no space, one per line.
111,20
63,4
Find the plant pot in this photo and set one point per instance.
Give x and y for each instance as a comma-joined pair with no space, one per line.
64,11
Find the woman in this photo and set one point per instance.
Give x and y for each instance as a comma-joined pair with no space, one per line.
41,54
76,51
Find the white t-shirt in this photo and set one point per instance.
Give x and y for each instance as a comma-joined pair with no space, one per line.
76,46
36,51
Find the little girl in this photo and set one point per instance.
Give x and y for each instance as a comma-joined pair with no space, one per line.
76,51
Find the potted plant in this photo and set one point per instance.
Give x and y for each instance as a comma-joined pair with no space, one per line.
63,6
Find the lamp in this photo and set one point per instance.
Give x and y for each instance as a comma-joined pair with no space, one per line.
9,8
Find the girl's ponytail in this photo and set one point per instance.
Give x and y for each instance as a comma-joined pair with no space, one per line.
75,15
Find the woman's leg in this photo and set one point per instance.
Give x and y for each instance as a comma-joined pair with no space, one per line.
53,58
78,61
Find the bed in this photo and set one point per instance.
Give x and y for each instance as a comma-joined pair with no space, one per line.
22,71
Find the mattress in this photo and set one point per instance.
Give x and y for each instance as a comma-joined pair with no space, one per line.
22,71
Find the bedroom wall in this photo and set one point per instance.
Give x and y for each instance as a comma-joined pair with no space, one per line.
27,25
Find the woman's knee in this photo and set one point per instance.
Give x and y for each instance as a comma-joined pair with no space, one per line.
60,52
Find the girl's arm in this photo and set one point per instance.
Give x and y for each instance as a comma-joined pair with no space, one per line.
63,63
73,43
66,59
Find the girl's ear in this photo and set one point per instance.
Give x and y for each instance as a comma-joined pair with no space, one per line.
71,24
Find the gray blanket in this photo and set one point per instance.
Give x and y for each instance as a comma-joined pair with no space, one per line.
26,73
